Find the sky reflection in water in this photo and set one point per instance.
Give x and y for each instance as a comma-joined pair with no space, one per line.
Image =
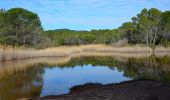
59,81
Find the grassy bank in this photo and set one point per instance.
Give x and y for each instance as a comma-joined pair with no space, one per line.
11,53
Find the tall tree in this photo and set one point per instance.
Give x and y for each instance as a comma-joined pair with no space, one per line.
20,26
149,24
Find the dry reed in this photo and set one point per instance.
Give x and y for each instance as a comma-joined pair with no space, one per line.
12,53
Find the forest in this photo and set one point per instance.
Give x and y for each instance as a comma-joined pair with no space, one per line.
21,27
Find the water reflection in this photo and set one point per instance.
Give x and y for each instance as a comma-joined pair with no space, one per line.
53,76
26,83
58,81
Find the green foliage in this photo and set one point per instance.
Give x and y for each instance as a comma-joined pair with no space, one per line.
151,27
165,21
19,26
72,37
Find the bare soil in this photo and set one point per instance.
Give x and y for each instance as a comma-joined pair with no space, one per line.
131,90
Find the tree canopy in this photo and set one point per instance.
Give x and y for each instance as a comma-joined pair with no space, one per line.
19,26
149,26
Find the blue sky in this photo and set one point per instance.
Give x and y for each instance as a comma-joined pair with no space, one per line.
85,14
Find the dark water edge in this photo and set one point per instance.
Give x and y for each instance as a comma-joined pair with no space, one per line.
129,90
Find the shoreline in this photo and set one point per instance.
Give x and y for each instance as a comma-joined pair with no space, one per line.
128,90
7,54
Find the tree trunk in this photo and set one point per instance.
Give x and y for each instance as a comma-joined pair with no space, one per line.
154,41
147,39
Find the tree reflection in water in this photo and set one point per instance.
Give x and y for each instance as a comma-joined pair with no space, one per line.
28,82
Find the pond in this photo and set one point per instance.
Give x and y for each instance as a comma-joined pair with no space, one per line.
55,76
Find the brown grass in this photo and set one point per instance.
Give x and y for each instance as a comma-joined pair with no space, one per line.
12,53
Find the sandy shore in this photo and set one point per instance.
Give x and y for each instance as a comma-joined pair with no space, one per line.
132,90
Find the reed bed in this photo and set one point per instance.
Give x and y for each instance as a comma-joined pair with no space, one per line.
12,53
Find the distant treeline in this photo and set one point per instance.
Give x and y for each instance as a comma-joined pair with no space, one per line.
72,37
20,27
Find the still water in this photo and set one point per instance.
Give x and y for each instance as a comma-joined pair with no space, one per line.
55,76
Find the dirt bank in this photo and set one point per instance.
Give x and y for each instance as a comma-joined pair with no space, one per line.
132,90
